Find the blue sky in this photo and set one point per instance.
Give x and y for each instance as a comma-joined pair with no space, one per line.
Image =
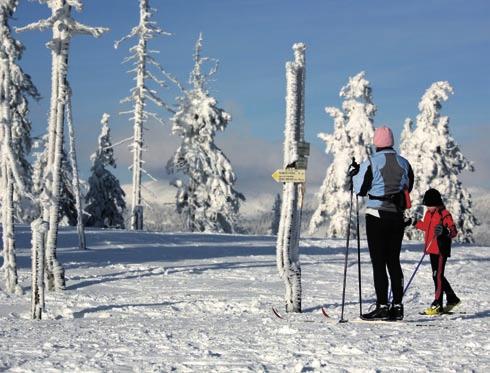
403,46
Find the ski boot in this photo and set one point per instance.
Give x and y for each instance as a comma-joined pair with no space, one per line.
451,303
381,312
396,312
434,310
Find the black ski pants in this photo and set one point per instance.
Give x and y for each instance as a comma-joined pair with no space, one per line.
385,235
438,264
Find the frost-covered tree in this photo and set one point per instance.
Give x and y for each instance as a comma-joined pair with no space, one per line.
276,214
40,155
21,89
437,160
15,88
352,135
334,193
140,95
359,110
63,27
105,198
206,198
67,212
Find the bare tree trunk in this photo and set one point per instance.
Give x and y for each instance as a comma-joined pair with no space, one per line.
137,206
75,175
7,185
54,271
63,27
8,233
38,229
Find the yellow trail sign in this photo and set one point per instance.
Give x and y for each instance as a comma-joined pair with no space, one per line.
289,175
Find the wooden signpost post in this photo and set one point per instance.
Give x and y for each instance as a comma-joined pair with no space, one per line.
293,177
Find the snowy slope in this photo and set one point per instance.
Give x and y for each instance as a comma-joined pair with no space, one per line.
194,302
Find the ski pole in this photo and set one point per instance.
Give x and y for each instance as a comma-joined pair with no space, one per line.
346,258
359,255
417,267
414,272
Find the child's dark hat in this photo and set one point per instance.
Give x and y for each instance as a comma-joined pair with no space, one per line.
432,198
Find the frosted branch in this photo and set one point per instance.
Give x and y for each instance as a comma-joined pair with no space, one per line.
148,174
126,112
156,117
79,28
155,79
39,25
158,101
165,73
119,143
135,31
149,191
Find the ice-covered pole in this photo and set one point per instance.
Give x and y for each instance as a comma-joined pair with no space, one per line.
295,152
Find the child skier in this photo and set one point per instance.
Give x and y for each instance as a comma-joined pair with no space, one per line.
439,229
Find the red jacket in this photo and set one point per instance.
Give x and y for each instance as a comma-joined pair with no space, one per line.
428,225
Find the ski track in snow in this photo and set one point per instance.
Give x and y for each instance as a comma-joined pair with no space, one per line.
202,302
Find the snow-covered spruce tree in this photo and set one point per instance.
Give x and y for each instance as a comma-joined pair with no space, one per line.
360,110
15,88
21,89
334,192
352,136
105,198
140,95
40,155
63,27
287,245
67,212
206,198
437,160
276,214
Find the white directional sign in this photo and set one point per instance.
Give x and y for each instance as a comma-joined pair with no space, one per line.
289,175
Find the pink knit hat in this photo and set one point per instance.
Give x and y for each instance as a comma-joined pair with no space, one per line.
383,137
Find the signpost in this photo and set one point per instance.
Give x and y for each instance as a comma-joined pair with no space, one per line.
293,177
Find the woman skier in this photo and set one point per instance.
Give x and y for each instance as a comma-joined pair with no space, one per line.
385,178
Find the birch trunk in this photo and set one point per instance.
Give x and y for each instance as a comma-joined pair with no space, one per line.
288,263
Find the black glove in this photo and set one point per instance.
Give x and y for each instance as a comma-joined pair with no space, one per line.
407,222
440,230
353,168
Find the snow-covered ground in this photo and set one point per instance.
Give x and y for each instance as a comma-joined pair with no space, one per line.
195,302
